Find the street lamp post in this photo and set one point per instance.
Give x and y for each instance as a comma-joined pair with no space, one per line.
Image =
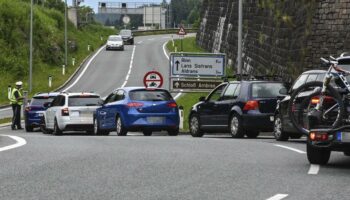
239,52
31,47
65,34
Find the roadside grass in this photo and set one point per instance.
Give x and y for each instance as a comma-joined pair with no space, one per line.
5,120
188,44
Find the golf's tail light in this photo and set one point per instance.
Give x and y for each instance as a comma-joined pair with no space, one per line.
318,136
65,112
251,105
316,100
134,105
172,105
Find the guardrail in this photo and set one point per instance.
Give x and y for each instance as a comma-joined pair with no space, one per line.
162,31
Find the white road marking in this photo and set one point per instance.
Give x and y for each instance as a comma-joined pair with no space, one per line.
151,39
140,42
177,96
86,67
278,197
19,142
290,148
130,67
5,109
314,169
166,37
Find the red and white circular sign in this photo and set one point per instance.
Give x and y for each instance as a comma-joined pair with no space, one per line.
153,79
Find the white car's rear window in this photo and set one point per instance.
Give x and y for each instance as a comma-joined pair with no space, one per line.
84,100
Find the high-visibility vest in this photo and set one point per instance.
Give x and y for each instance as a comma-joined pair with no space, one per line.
13,99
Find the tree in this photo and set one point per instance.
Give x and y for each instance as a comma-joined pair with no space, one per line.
185,10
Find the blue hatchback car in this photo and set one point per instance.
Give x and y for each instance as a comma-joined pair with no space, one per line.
34,111
137,109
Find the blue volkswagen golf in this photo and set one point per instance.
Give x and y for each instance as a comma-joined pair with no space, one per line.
137,109
34,111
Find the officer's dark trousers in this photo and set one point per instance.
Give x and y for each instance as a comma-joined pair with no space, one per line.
16,119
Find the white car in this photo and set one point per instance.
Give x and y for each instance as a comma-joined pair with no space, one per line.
70,112
115,42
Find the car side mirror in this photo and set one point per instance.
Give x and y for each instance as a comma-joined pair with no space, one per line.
201,98
283,91
47,105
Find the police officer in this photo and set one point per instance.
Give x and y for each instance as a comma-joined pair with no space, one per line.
16,101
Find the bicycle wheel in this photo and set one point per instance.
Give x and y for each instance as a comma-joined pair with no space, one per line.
302,108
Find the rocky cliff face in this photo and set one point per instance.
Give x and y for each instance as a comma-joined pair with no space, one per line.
279,37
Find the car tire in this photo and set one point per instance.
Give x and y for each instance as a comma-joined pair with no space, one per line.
43,128
173,132
317,155
29,128
194,126
278,132
252,134
97,130
147,133
119,127
236,128
56,129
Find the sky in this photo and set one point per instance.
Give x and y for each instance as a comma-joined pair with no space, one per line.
94,3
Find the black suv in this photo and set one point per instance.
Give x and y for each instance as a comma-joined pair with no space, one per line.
239,107
283,127
127,36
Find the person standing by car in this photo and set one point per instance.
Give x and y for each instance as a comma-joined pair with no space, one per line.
16,102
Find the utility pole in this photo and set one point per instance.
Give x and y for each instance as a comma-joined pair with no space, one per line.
31,47
65,34
240,29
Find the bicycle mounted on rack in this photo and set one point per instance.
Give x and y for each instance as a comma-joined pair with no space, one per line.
322,105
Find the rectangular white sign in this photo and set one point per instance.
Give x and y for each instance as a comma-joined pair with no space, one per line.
192,65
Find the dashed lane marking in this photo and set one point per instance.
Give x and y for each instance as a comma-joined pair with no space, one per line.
278,197
151,39
19,142
314,169
130,67
290,148
86,67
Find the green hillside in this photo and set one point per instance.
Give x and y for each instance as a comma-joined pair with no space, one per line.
48,42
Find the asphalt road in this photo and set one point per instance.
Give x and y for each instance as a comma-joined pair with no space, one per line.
78,166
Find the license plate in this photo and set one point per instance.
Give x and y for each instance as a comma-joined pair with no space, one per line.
272,118
344,136
40,114
155,120
74,114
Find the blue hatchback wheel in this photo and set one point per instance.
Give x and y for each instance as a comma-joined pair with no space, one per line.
119,127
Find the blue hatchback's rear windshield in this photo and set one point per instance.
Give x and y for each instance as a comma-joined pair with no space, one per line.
266,90
150,95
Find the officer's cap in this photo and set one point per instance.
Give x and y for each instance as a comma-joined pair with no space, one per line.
19,83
